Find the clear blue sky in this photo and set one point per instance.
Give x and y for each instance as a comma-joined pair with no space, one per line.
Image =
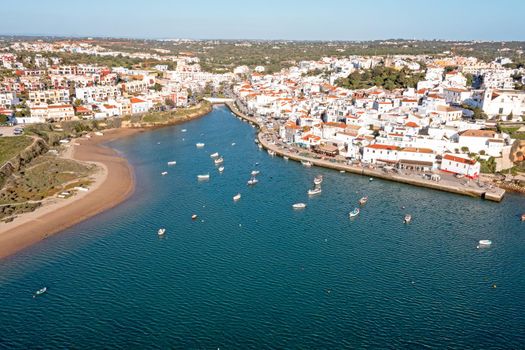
268,19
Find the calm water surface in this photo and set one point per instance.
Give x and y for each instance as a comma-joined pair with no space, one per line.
256,273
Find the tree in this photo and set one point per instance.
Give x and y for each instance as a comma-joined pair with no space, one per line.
157,87
169,102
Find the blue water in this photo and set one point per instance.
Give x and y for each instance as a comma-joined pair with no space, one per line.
256,273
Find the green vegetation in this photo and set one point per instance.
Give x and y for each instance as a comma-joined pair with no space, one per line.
488,166
174,116
12,146
512,131
381,76
478,112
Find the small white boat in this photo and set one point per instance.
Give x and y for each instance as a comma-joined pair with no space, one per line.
219,160
203,177
214,155
299,206
237,197
306,164
172,162
40,292
233,143
408,218
318,179
184,130
271,153
221,169
252,181
286,158
194,217
484,243
260,146
255,172
314,191
354,213
200,145
371,179
164,173
161,231
363,200
342,171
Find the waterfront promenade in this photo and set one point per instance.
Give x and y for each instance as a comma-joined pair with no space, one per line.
447,183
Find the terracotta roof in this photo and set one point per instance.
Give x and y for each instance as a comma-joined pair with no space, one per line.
478,133
380,146
459,159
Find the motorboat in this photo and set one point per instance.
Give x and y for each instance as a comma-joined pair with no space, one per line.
299,206
203,177
233,143
408,218
286,158
214,155
363,200
172,162
40,292
371,179
194,217
252,181
255,172
318,179
484,243
306,164
164,173
161,231
354,213
523,217
184,130
219,160
236,197
260,146
270,152
200,145
342,171
221,169
314,191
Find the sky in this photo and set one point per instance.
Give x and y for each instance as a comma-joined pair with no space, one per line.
268,19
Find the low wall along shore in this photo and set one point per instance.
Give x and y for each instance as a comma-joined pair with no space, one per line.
494,194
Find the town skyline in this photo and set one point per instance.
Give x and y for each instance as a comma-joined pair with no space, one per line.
293,20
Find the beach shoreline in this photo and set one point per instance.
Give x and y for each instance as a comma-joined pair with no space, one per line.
113,183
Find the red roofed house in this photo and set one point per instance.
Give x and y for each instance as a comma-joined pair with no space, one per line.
380,153
138,105
460,164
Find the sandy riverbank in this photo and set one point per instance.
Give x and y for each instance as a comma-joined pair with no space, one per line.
113,183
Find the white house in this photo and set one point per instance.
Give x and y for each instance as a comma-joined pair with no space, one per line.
460,164
380,153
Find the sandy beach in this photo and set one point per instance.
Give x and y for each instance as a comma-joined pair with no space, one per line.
113,183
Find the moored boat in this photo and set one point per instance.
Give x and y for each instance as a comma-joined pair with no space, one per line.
161,231
314,191
408,218
184,130
237,197
200,145
306,164
318,179
271,153
285,158
354,213
363,200
164,173
194,217
299,206
219,160
484,243
214,155
203,177
523,217
221,169
255,172
233,143
172,162
40,292
252,181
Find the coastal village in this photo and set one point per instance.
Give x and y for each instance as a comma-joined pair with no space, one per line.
461,121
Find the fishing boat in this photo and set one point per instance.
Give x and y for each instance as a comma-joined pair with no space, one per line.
306,164
172,162
408,218
161,231
199,144
314,191
236,197
270,152
164,173
214,155
318,179
484,243
221,169
363,200
354,213
219,160
252,181
299,206
40,292
255,172
203,177
194,217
